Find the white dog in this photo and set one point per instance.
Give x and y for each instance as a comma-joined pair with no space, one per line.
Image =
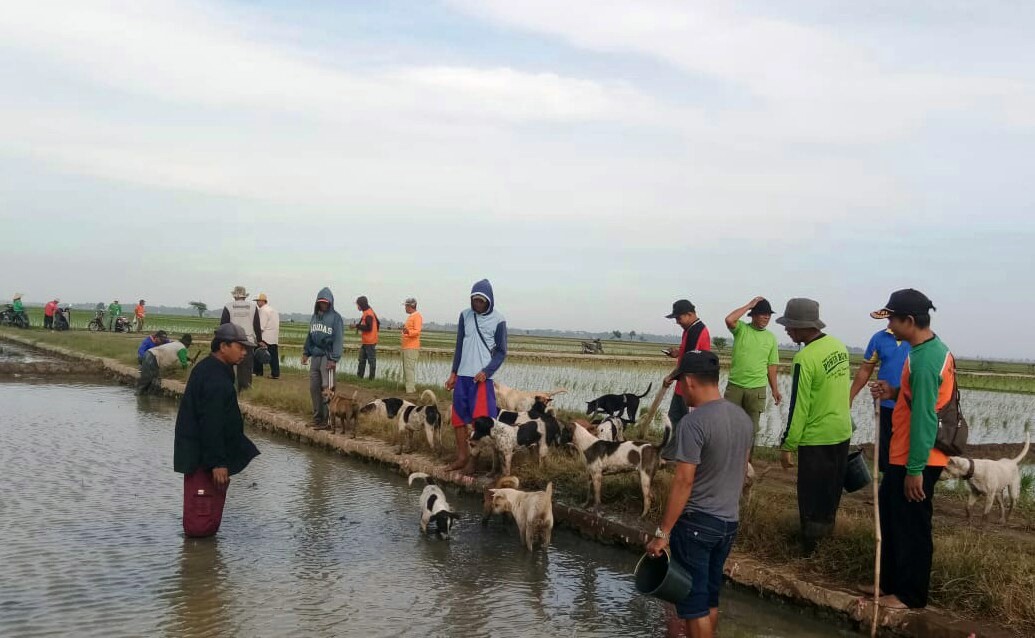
508,398
990,479
417,418
532,511
434,509
610,457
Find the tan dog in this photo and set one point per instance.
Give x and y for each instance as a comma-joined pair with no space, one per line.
341,410
532,511
504,481
508,398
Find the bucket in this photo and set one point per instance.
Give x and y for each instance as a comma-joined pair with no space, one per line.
662,578
857,476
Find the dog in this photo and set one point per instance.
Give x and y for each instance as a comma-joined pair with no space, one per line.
508,398
532,511
435,511
990,479
540,406
342,410
384,408
505,481
414,418
614,404
506,439
610,457
611,428
752,478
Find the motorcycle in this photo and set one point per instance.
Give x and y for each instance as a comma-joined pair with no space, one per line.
97,323
123,324
63,318
8,317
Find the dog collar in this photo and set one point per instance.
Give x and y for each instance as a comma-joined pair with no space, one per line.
970,470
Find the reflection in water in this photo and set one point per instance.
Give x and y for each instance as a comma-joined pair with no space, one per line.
312,544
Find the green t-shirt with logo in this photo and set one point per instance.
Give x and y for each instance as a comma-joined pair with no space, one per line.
819,410
754,351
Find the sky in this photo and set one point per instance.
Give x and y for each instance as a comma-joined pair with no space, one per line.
596,160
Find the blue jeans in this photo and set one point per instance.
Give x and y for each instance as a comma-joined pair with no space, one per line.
700,544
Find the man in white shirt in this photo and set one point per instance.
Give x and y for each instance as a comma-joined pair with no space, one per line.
245,314
269,322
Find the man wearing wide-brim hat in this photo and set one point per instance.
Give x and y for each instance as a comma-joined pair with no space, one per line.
244,314
755,359
819,421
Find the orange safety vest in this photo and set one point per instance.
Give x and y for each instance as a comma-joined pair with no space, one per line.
369,338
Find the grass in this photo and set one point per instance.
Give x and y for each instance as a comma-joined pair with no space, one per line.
979,573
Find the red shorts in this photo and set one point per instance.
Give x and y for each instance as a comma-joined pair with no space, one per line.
203,504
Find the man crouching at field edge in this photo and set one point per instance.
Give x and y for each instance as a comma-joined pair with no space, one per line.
710,447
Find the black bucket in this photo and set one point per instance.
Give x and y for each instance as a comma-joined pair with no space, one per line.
662,578
857,476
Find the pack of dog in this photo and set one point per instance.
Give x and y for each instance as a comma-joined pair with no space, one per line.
615,404
610,457
998,480
435,513
532,511
508,398
342,410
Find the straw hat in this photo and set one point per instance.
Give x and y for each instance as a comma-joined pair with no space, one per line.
239,291
17,295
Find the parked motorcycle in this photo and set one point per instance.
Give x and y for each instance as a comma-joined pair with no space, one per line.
97,323
8,317
63,318
123,324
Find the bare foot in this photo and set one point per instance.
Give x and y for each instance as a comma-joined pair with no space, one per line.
891,602
457,464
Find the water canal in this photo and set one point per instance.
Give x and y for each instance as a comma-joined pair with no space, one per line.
312,544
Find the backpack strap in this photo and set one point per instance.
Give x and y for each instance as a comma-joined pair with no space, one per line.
478,329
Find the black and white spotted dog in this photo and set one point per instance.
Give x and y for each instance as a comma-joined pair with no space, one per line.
420,418
506,439
386,408
612,457
435,512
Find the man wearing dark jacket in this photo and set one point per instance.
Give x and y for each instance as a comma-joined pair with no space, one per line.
321,351
210,445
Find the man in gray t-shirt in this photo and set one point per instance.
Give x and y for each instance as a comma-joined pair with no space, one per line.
710,448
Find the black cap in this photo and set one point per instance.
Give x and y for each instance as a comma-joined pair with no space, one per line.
234,333
699,362
761,308
681,307
908,302
162,334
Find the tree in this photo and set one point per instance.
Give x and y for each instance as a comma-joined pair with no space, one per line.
632,335
719,343
617,334
200,306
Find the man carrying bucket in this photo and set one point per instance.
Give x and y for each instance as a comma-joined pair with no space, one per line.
710,447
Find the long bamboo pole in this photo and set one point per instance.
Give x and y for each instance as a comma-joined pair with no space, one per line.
876,515
645,423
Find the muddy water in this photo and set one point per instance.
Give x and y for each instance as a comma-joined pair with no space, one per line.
312,544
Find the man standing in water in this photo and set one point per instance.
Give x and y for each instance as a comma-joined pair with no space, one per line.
481,347
210,445
710,448
819,421
321,351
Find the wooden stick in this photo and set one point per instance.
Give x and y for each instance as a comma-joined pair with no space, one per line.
876,514
645,423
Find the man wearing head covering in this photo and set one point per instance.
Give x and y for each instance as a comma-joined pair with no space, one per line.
167,355
48,313
19,308
410,342
481,348
269,324
819,421
114,310
139,314
695,337
322,351
368,327
755,359
209,444
245,315
906,498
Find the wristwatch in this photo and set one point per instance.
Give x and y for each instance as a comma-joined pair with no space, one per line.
660,533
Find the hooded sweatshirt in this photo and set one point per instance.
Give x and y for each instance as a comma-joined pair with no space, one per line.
481,340
326,330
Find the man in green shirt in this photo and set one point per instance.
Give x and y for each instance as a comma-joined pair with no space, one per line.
755,358
819,421
114,310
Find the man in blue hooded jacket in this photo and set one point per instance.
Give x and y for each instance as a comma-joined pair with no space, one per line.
321,351
481,347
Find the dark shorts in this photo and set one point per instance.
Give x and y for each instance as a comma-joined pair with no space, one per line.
700,543
472,400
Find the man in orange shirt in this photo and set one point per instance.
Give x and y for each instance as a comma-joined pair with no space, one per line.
411,344
368,327
914,464
139,313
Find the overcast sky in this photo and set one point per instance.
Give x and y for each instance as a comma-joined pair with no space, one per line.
596,160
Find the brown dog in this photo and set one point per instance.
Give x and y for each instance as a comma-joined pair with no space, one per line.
341,409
